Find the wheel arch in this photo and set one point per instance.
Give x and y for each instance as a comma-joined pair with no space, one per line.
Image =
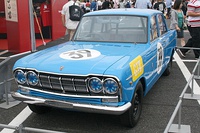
143,82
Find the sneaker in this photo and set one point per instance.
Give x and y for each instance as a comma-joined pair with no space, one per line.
181,53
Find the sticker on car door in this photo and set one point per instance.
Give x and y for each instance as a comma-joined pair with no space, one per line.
160,57
137,68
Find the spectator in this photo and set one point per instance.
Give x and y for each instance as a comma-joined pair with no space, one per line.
184,7
160,5
133,3
93,6
193,27
87,6
99,4
116,4
106,4
121,4
69,24
143,4
111,3
169,6
83,6
153,2
128,4
177,20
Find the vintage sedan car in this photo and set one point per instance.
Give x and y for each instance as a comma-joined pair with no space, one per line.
113,60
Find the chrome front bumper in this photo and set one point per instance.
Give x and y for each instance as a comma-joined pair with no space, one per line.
73,106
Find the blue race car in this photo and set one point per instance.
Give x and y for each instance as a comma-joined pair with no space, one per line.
113,60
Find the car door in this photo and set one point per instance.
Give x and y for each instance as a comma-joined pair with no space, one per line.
155,54
164,36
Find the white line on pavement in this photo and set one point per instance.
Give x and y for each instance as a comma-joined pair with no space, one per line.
19,119
3,58
3,52
186,73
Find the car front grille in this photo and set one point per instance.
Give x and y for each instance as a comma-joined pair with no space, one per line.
60,83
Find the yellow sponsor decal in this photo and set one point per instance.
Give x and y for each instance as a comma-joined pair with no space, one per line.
137,68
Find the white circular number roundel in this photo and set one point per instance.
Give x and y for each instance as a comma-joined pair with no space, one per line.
80,54
160,57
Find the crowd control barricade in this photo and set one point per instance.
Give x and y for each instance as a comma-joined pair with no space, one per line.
180,128
6,78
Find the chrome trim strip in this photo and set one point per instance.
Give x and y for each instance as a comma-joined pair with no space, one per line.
74,106
68,95
86,85
64,74
61,86
49,82
39,80
73,84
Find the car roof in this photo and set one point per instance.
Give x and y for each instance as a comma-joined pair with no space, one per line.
124,11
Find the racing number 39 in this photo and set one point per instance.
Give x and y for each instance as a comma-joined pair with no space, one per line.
80,54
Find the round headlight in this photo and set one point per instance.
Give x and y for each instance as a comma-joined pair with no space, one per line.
110,86
32,78
20,76
95,85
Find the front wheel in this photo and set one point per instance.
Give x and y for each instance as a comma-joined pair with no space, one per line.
131,117
39,109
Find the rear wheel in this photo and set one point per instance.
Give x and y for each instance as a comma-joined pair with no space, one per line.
39,109
131,117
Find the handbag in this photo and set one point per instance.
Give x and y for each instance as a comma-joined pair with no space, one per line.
184,27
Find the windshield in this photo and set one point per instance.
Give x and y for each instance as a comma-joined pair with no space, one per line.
112,29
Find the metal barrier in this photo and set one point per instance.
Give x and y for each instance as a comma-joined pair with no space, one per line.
21,129
178,128
7,76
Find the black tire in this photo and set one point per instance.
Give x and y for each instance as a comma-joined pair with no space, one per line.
39,109
168,69
131,117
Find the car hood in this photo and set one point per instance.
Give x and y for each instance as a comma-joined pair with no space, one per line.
79,58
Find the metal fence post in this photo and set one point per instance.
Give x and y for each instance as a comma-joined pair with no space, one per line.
6,93
20,128
179,116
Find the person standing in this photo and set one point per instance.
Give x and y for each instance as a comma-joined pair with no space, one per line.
169,6
116,4
160,5
93,6
69,24
121,4
177,20
143,4
106,4
87,6
184,8
99,4
193,13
